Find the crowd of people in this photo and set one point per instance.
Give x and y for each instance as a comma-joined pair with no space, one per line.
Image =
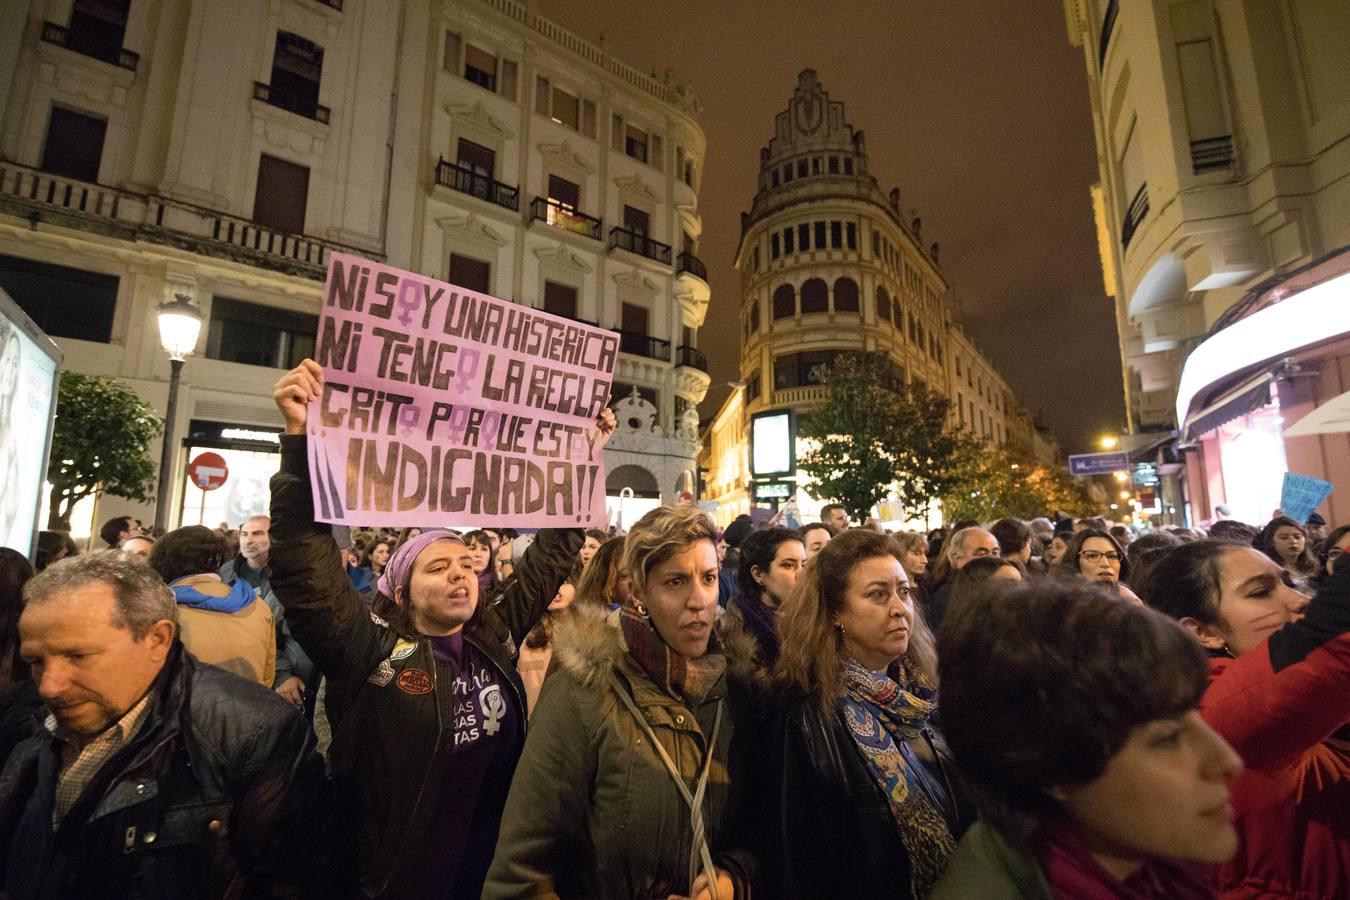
1036,709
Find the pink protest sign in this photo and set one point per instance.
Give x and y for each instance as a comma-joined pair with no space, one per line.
443,406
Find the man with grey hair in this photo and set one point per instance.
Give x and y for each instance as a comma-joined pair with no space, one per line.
965,545
156,774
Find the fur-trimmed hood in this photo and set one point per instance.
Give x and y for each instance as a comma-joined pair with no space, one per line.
589,645
743,662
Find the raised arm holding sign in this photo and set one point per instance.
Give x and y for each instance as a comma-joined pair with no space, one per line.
436,646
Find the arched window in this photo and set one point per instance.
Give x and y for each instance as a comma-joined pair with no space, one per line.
883,305
784,302
846,296
815,297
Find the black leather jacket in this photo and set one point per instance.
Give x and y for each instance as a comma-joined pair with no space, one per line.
829,830
220,794
387,755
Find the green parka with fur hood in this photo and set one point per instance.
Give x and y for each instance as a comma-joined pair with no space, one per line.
592,810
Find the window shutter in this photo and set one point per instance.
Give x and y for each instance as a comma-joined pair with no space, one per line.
541,95
656,157
616,133
507,83
451,62
588,118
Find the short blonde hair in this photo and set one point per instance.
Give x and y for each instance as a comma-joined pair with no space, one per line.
659,535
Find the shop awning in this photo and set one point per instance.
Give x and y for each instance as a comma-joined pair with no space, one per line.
1141,446
1331,417
1229,407
1311,317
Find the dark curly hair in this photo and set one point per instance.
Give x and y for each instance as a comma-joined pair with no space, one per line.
1042,686
758,551
1068,564
1306,564
190,550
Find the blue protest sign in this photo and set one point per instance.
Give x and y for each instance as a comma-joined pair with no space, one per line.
1301,494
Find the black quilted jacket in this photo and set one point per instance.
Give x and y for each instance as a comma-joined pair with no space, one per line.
220,795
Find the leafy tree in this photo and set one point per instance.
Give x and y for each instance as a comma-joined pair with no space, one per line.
992,482
873,439
928,450
100,444
851,458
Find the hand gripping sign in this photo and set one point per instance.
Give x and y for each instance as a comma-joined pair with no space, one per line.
443,406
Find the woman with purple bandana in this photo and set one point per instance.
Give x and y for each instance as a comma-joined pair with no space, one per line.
427,708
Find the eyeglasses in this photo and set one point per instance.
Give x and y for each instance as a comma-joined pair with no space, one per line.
1098,556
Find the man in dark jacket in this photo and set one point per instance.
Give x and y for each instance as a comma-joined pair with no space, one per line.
155,775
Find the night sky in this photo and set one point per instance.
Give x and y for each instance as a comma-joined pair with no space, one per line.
979,116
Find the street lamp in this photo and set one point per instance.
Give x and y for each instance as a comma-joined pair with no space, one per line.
1110,442
180,323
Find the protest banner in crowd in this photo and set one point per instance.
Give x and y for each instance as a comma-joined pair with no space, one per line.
444,406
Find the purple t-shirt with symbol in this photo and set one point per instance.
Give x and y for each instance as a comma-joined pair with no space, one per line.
478,748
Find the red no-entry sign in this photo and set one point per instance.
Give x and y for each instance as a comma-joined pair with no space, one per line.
208,471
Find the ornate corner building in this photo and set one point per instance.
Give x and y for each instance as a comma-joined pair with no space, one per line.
152,149
829,263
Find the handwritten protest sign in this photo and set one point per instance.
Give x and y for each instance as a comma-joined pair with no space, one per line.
443,406
1301,494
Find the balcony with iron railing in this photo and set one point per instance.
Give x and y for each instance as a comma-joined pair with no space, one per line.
90,45
1134,216
625,239
1212,154
565,218
688,262
476,184
644,345
43,197
692,357
291,102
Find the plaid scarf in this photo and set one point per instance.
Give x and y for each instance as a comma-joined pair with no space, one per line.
881,714
687,680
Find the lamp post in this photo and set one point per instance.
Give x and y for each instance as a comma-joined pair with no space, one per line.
179,325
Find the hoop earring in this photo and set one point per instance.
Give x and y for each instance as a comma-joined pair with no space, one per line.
641,610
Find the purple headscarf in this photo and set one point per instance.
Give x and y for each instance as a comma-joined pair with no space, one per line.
398,571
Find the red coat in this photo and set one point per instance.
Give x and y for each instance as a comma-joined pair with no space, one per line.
1278,705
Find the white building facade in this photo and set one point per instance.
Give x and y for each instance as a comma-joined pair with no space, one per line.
1223,139
220,151
529,165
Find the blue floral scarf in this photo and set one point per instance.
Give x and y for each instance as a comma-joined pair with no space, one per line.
881,714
